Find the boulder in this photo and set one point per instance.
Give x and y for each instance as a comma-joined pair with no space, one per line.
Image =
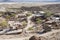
34,38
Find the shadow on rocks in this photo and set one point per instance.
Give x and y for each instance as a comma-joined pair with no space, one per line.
34,38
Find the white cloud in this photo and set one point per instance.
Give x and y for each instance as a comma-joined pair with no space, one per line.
33,0
28,0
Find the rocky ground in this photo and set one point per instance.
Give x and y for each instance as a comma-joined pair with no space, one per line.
53,35
41,28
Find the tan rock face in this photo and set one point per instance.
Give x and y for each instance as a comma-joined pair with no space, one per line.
53,35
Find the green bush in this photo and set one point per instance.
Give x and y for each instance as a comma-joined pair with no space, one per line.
48,13
29,14
38,20
4,24
12,15
8,17
31,28
24,23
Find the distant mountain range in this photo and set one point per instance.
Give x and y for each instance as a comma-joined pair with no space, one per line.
29,0
52,7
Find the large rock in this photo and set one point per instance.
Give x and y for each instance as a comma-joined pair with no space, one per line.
34,38
53,35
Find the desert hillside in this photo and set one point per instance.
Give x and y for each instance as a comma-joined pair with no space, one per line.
30,21
55,8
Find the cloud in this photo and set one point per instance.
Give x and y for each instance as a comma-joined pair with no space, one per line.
26,0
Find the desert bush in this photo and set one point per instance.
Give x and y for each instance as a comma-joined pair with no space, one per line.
12,15
4,23
30,28
24,23
29,14
38,20
48,13
8,17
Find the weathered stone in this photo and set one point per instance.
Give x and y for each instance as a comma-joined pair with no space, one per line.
34,38
42,38
53,35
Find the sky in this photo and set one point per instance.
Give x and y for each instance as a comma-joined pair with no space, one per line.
29,0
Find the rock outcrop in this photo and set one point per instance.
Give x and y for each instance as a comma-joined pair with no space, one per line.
53,35
34,38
